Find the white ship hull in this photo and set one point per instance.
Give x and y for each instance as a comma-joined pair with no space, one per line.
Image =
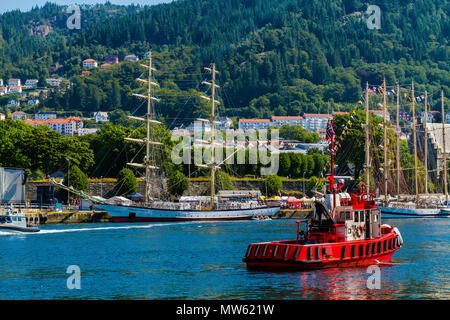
392,212
121,213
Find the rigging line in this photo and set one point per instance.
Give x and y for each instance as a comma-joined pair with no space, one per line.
182,108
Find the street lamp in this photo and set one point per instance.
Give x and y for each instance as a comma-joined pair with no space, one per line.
68,181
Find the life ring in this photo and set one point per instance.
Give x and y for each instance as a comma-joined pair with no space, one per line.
360,230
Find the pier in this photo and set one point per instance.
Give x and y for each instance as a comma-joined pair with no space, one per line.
37,217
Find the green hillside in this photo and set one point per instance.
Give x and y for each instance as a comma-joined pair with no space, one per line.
275,57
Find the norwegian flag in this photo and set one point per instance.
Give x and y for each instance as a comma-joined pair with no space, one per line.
329,131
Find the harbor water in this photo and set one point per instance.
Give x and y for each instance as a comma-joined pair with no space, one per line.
203,260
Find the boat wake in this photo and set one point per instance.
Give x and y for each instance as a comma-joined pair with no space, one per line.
50,231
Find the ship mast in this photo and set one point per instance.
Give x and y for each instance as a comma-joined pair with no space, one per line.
398,141
367,145
415,142
213,167
444,145
149,119
425,143
385,145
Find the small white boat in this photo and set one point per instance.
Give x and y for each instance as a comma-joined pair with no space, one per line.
409,209
15,221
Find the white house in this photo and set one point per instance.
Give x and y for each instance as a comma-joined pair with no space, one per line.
32,102
280,121
44,115
131,57
256,124
380,113
53,82
225,123
31,83
19,115
13,103
100,116
14,89
2,116
89,63
85,131
316,121
14,82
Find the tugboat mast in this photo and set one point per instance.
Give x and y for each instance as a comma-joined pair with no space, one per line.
367,145
332,187
385,169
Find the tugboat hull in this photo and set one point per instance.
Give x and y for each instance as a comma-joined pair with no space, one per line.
292,255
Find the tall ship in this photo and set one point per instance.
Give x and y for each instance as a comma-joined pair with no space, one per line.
344,230
423,205
156,210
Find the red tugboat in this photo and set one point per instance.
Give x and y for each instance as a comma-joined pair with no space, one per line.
344,230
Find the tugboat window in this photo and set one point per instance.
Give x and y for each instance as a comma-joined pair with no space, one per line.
356,216
344,249
348,215
361,216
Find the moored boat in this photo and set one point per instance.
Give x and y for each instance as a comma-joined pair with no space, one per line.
15,221
410,210
121,213
153,209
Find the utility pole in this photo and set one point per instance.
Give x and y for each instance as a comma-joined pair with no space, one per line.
444,143
415,142
367,145
425,138
385,145
398,141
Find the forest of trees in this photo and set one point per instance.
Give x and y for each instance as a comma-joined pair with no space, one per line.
283,57
276,57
